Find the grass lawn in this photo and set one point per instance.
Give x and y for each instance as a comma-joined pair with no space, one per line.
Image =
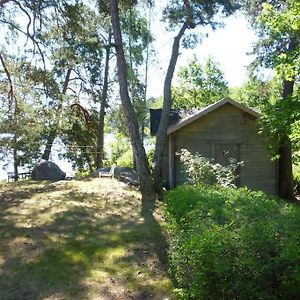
79,240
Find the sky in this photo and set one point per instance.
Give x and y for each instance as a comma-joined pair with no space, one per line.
228,46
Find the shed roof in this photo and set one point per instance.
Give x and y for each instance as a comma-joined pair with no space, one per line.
155,116
200,113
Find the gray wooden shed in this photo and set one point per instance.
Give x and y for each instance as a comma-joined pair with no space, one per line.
223,127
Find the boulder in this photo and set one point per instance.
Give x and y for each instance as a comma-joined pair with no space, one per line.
125,174
47,170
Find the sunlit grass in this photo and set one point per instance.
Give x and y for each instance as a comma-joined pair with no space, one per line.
78,240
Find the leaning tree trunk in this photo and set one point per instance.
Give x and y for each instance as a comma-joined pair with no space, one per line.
16,159
142,165
100,139
163,126
53,132
49,142
285,168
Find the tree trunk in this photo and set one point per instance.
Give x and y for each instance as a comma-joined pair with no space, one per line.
16,159
285,166
100,140
285,171
163,126
53,133
146,185
49,142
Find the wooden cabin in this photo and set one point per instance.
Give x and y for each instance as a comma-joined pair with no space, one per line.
225,127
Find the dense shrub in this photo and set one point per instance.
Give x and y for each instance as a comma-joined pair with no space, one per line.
233,244
201,169
126,159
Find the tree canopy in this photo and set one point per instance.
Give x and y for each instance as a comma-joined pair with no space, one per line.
63,61
199,85
278,26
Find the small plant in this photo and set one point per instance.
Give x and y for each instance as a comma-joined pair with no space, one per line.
203,170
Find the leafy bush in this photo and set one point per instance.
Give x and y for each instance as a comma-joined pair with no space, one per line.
203,170
233,244
121,153
126,160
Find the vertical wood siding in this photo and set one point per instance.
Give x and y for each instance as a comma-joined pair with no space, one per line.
227,125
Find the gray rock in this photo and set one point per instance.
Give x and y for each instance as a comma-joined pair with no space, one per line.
123,174
47,170
127,175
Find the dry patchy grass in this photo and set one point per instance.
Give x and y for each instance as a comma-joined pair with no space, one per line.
79,240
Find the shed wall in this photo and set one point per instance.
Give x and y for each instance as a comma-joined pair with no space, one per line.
228,125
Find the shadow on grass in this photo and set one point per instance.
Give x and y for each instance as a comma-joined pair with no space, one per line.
102,250
16,192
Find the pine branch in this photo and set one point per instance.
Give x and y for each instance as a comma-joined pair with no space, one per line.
10,94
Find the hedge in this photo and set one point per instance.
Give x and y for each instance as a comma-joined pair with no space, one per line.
233,244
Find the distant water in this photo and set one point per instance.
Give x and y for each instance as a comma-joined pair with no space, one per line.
63,164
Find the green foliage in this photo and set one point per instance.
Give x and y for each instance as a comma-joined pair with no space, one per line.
296,177
232,244
256,92
282,26
280,121
277,23
198,12
21,126
21,133
126,160
79,136
203,170
278,26
120,152
150,155
199,85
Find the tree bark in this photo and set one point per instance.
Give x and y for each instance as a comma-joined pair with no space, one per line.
285,166
163,126
16,159
285,172
49,143
100,140
146,185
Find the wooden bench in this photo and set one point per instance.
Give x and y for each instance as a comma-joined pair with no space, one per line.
22,175
110,173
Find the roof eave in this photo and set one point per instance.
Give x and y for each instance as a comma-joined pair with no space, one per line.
209,109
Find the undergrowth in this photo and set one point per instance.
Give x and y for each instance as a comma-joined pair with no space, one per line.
233,244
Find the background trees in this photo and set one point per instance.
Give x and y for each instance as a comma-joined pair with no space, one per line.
185,15
199,85
278,26
64,73
19,127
